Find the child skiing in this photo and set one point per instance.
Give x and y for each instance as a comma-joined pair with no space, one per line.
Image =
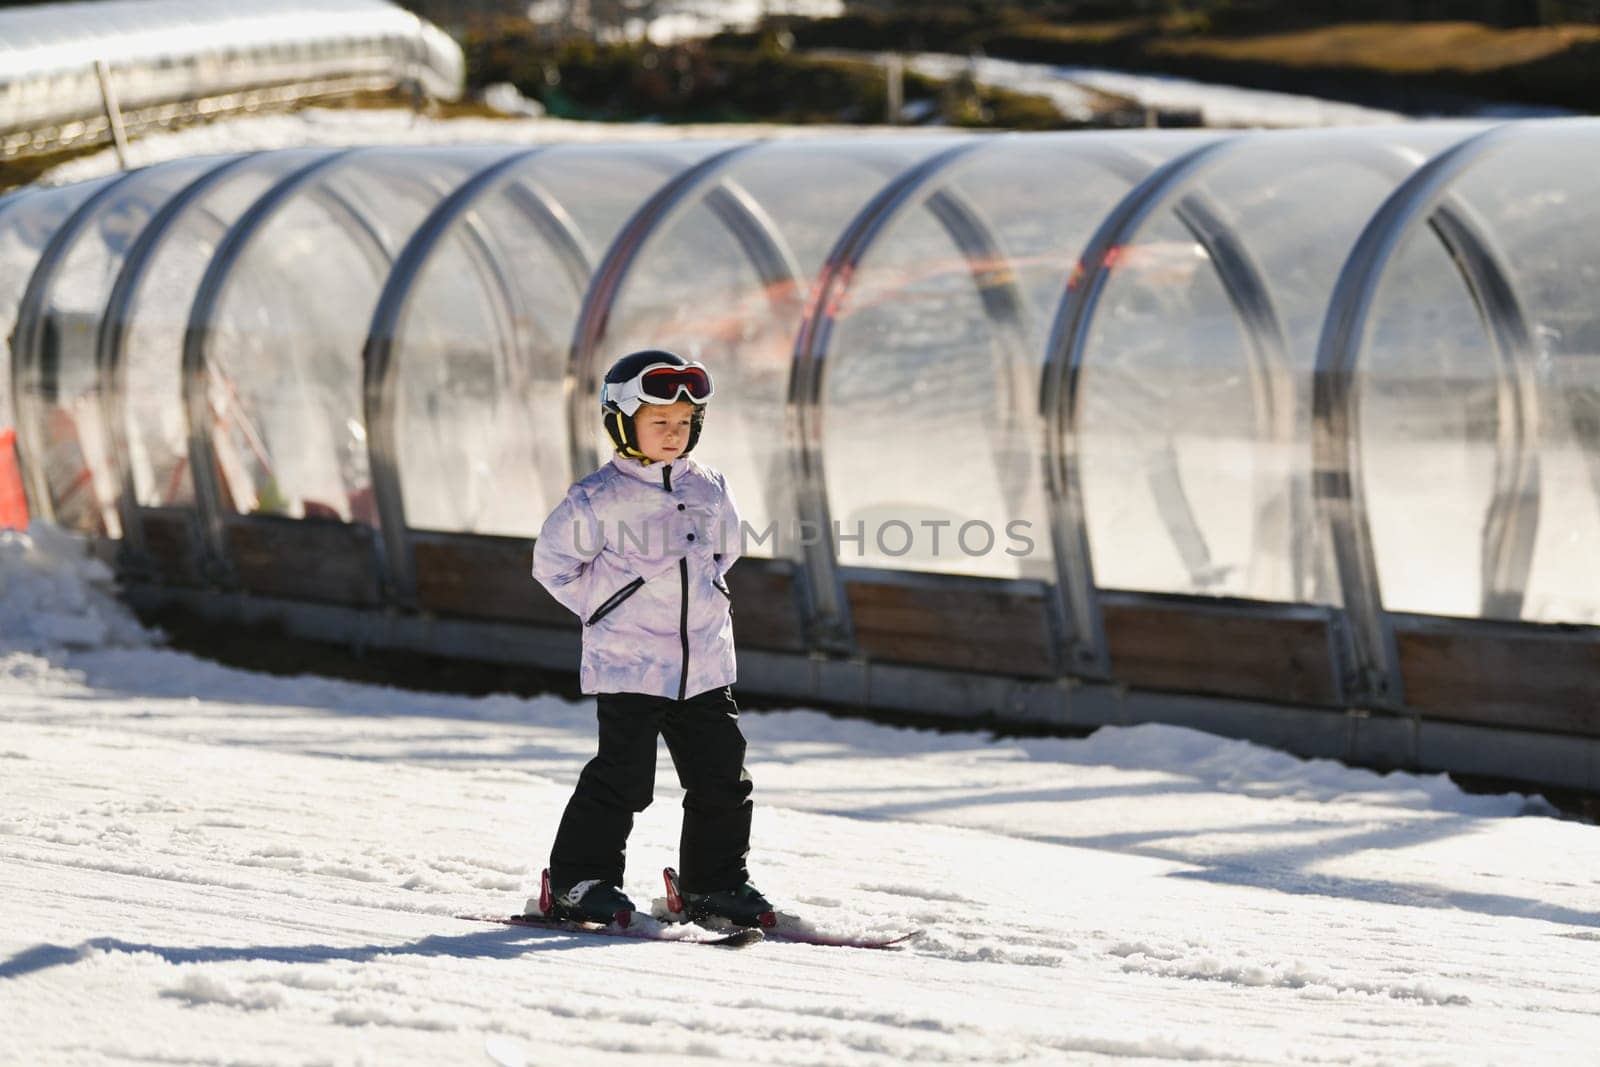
639,550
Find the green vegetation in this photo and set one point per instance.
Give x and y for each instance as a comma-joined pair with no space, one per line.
1398,64
18,171
1538,52
725,80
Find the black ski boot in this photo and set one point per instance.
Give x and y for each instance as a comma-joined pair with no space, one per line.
591,901
742,906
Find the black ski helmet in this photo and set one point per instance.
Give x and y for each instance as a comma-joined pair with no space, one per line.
619,426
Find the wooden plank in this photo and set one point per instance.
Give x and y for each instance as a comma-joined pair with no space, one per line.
995,629
484,578
305,559
1191,648
172,546
766,613
1541,681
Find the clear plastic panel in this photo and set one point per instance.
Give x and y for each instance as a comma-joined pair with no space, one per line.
1537,200
694,289
76,451
483,344
1541,200
155,423
28,219
1427,393
284,346
930,416
1196,429
1166,478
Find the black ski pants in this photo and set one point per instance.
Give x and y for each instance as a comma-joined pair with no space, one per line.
702,734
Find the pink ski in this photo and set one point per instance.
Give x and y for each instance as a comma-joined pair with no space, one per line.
778,926
649,930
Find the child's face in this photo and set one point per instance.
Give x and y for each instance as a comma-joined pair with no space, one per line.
663,429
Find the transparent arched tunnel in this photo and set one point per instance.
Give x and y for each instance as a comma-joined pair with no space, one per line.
1293,436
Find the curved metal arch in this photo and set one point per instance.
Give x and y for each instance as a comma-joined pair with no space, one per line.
557,226
111,342
1267,359
24,348
1512,525
1076,597
758,237
828,615
1273,389
1374,677
371,243
380,368
575,258
1003,305
775,263
27,350
8,203
1393,163
197,339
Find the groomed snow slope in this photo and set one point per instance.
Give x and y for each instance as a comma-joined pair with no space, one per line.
204,866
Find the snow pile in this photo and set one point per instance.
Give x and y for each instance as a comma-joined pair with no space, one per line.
679,20
55,598
1226,105
1197,759
1254,770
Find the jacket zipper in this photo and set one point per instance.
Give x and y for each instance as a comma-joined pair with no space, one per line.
683,625
613,601
683,600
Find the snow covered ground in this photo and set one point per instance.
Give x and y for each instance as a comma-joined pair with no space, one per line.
675,20
205,866
1073,90
1070,87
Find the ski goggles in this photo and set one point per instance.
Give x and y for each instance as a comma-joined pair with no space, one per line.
659,383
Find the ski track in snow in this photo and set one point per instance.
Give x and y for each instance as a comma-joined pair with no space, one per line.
205,866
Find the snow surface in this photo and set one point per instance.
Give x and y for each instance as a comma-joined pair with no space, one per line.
1071,88
204,866
676,20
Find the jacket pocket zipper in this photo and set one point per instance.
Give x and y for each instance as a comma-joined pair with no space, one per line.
613,601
